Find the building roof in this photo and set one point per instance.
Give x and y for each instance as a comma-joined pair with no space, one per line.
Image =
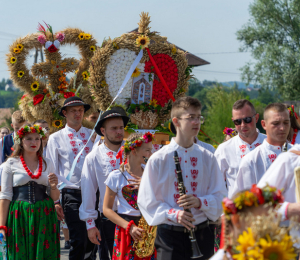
193,60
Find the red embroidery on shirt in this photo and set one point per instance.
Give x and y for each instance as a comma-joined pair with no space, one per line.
195,195
176,186
171,211
156,147
175,173
73,143
272,157
75,150
89,221
176,197
194,161
194,174
205,202
82,135
113,163
257,144
84,141
71,136
87,149
243,148
180,159
243,155
194,186
110,155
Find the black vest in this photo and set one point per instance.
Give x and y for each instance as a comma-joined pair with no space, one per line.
7,144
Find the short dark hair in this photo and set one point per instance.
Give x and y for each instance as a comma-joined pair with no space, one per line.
241,103
278,107
184,103
40,121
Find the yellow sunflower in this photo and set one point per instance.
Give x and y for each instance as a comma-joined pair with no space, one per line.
174,50
87,36
245,241
136,72
17,50
153,102
20,73
92,48
143,41
57,123
103,83
20,46
35,86
13,60
81,36
85,75
116,46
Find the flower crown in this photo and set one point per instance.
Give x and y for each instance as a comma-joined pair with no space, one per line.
29,129
292,111
254,197
146,138
229,131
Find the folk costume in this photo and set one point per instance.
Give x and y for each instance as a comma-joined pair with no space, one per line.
229,156
62,148
96,168
32,227
158,195
255,164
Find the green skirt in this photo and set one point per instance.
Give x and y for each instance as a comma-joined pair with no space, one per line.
33,231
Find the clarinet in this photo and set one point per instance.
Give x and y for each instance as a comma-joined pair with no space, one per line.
285,147
195,249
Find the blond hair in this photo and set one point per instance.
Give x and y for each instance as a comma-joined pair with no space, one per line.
17,116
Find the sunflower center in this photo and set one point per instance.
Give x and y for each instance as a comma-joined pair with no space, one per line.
143,41
57,123
273,256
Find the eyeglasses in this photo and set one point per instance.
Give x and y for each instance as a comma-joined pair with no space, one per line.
194,119
247,120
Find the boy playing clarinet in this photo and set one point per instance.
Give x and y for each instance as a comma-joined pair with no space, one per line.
159,199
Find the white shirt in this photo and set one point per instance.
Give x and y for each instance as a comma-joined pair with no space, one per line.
229,156
1,169
158,192
117,183
254,165
62,148
97,141
97,166
207,146
219,255
281,174
14,175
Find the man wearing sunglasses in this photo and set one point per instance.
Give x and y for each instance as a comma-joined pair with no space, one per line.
229,154
254,165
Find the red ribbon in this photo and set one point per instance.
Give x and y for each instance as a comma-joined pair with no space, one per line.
294,112
222,238
159,75
120,154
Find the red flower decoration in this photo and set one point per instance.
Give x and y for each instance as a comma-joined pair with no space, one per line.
258,193
38,99
52,48
69,94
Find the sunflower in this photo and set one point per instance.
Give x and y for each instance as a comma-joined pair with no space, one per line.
143,41
17,50
13,60
153,102
103,83
20,73
20,46
136,72
57,123
35,86
174,50
81,36
245,241
87,36
85,75
92,48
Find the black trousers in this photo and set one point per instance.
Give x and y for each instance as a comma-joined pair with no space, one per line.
174,245
107,231
81,246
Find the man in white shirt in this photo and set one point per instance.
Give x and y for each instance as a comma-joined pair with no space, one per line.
253,166
97,166
62,148
159,200
229,154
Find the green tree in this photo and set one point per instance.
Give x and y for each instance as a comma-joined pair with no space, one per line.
273,37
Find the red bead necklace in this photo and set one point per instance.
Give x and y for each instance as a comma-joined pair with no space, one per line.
29,172
294,136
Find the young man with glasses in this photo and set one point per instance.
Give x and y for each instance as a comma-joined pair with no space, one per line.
253,166
159,200
229,154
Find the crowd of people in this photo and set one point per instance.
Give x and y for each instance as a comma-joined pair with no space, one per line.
100,186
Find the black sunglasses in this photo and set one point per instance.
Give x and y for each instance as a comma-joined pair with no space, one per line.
247,120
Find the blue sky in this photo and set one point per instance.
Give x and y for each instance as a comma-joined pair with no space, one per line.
203,27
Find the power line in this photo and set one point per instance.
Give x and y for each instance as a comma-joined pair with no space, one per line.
212,71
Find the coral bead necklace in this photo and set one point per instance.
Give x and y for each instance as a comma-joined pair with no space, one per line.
29,172
294,136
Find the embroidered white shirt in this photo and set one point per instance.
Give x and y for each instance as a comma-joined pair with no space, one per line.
96,168
219,255
229,156
116,181
62,148
207,146
254,165
158,192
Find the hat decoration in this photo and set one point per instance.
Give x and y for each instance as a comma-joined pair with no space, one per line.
45,84
160,77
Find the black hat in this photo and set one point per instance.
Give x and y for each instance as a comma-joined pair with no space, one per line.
115,112
72,102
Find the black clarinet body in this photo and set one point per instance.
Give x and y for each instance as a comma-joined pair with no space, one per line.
196,253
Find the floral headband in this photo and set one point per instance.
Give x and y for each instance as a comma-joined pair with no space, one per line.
146,138
229,131
292,111
254,197
29,129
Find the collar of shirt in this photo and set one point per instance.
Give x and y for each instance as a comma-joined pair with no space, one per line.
71,130
242,148
176,146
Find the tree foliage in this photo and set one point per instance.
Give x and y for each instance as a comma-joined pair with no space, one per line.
273,37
